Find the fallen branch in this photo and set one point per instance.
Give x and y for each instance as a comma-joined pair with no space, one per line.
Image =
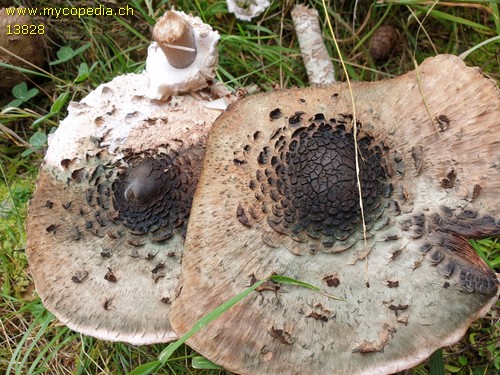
313,50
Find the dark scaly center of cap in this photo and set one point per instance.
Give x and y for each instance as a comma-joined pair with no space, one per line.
147,195
309,185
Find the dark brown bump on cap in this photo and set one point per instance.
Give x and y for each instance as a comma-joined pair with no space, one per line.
295,213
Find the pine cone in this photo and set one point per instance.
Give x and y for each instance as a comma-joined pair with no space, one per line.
383,42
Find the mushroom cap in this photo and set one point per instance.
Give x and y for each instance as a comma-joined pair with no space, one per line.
107,221
278,195
166,80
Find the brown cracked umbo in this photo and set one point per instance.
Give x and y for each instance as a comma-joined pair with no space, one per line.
280,193
106,224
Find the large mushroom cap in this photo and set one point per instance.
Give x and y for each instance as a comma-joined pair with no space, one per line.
278,194
107,221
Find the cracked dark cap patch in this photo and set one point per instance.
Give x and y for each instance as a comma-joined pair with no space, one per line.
306,180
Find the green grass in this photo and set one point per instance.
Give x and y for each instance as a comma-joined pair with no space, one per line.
89,51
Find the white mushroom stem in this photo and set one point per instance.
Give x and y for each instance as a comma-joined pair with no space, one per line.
316,59
166,78
176,39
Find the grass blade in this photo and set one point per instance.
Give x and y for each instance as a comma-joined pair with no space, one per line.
464,55
207,319
290,281
455,19
436,363
147,368
202,363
